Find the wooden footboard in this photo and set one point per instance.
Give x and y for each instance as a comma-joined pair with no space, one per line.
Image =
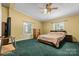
51,44
46,42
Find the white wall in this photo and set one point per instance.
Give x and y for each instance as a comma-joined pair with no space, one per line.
0,19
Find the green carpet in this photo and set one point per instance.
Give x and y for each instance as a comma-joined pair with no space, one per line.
34,48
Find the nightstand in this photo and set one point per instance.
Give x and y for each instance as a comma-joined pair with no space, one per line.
69,38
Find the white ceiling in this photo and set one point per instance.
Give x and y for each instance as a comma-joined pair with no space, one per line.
33,9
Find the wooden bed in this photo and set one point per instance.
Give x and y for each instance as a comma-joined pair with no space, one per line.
54,39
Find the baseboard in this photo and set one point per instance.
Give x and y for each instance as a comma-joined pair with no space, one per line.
22,39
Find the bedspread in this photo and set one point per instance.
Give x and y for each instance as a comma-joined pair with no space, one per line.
54,38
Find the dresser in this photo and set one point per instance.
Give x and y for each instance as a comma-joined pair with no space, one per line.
36,33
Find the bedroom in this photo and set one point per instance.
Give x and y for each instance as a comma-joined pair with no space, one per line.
38,20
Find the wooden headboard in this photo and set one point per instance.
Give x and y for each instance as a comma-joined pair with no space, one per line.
58,31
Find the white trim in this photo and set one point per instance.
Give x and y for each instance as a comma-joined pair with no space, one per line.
39,1
21,39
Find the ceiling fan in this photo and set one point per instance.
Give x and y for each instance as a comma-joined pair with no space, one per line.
48,8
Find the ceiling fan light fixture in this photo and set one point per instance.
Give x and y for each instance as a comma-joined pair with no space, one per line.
49,13
45,11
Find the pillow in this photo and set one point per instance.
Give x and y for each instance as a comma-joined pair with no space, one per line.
62,33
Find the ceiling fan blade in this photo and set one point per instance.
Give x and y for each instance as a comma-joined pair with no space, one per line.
48,5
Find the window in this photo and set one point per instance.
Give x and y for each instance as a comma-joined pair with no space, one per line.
58,26
27,27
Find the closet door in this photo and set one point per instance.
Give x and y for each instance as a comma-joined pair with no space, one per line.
3,28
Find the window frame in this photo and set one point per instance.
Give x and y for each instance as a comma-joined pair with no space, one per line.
29,29
57,24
